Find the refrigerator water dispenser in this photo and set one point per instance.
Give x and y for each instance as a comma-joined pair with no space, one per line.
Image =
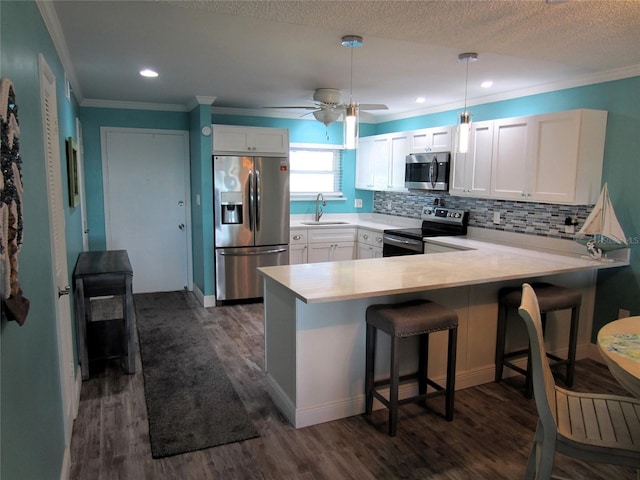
231,208
232,214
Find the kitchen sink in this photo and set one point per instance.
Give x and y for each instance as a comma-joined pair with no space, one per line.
328,222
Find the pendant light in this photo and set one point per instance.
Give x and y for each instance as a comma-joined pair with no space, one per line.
352,110
464,127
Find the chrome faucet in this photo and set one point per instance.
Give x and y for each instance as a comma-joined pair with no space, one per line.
319,211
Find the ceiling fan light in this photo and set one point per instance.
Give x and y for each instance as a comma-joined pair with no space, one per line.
326,116
351,126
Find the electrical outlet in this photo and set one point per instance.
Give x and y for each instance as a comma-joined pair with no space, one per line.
388,204
496,218
357,203
623,313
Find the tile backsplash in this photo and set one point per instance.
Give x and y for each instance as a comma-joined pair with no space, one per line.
541,219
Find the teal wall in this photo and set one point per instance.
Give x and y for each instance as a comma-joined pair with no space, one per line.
201,217
94,118
31,420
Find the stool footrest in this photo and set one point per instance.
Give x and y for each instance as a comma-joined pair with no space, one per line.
518,353
440,391
515,367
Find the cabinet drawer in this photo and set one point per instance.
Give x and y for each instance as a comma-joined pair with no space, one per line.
332,235
297,237
370,237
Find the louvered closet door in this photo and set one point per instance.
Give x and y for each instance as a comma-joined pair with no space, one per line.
58,243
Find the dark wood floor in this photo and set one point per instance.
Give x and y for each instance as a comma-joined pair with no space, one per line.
489,438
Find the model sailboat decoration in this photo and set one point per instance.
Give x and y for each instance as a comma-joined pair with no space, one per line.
601,231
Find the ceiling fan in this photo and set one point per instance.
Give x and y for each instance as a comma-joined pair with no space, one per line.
328,107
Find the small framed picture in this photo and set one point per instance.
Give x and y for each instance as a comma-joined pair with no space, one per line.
72,172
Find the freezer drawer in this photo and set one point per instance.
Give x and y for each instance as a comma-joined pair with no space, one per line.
236,274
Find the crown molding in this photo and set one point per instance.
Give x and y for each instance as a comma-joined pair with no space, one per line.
599,77
166,107
200,100
50,18
583,80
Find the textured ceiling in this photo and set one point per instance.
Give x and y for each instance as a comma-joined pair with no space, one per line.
250,54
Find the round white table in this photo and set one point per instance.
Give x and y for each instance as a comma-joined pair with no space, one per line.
619,342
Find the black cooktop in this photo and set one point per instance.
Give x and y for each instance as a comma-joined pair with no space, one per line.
437,222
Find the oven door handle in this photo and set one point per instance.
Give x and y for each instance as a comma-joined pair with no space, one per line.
415,245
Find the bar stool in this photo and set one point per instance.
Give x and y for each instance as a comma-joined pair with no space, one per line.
550,298
417,317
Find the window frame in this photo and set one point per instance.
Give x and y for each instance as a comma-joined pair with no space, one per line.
338,152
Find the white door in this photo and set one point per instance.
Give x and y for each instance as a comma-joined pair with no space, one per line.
58,245
146,195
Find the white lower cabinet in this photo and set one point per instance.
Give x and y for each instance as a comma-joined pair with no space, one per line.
369,244
298,246
315,245
331,252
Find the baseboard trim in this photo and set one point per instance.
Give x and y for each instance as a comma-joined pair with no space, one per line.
205,301
355,405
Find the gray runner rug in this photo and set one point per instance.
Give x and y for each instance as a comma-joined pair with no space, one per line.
191,402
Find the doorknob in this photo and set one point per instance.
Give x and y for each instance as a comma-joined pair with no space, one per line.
181,226
64,291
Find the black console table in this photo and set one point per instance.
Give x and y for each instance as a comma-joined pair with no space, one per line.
97,274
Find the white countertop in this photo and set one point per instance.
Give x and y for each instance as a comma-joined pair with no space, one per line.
484,262
372,221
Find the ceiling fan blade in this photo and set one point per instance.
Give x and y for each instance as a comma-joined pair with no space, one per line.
300,107
373,106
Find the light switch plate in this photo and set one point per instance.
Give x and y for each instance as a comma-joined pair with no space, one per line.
357,203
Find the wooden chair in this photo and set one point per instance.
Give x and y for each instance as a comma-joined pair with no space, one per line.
587,426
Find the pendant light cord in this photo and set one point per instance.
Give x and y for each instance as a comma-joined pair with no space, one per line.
466,86
351,79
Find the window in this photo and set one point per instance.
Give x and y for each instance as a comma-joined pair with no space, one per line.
315,169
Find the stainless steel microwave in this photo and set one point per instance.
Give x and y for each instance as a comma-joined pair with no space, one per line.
427,171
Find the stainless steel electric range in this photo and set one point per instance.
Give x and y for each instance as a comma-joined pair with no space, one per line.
436,222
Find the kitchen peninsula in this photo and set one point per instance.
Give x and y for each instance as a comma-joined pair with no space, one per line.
315,318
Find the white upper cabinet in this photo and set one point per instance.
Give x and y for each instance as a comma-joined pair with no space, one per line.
509,177
253,140
471,172
567,150
364,164
436,139
398,151
551,158
380,161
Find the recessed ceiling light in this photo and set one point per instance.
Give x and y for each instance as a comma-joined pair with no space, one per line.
421,100
147,72
487,84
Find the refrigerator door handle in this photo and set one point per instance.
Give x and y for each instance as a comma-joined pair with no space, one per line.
257,204
244,254
250,195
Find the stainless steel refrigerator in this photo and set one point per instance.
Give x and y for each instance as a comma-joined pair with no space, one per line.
251,219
